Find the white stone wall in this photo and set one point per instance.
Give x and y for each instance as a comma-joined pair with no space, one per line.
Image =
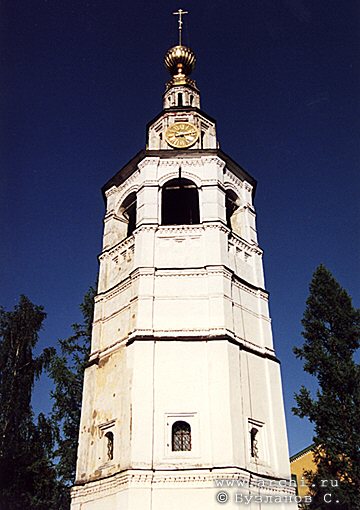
181,332
138,391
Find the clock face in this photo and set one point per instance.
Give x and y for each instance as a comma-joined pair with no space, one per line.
181,135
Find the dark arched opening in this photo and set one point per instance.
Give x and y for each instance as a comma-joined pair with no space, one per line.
231,204
129,213
181,437
110,445
253,442
180,203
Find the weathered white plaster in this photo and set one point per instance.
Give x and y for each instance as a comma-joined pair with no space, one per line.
181,332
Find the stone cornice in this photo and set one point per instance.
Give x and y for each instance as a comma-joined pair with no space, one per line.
148,161
111,191
213,160
243,244
126,243
247,186
165,230
165,154
200,335
181,272
113,291
183,335
230,177
183,477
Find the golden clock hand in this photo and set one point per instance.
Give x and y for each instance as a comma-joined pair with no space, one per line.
184,133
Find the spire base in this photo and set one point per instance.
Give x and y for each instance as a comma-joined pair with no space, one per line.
181,79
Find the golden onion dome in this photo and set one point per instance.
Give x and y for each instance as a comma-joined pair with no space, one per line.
180,60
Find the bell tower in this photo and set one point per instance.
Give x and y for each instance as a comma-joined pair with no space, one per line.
182,389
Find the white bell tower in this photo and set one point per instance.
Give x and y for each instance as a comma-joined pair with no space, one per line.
182,388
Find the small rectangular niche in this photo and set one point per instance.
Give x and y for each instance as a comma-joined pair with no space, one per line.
106,442
256,441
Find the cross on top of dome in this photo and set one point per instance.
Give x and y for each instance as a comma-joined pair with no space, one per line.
180,60
180,13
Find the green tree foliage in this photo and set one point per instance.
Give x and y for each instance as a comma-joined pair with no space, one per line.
28,478
67,372
331,329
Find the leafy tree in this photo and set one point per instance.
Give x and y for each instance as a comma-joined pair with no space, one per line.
28,478
331,329
67,371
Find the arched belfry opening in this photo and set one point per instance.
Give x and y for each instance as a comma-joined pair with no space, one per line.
128,212
180,203
231,205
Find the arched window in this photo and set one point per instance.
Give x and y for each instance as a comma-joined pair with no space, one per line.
128,210
181,437
191,99
110,445
231,204
180,203
180,99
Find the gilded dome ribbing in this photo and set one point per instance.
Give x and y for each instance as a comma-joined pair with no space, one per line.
180,60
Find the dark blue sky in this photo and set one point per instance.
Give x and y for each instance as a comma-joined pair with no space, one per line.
79,82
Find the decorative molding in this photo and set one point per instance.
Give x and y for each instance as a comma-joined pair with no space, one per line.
146,227
188,477
149,160
125,191
184,174
111,215
168,163
113,291
125,243
232,178
191,162
243,244
181,335
213,159
213,182
112,348
149,183
111,191
247,186
232,187
180,273
175,230
244,287
218,225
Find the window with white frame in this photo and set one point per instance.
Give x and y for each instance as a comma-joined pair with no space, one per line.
181,435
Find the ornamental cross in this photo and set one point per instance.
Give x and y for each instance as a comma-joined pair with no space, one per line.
180,13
